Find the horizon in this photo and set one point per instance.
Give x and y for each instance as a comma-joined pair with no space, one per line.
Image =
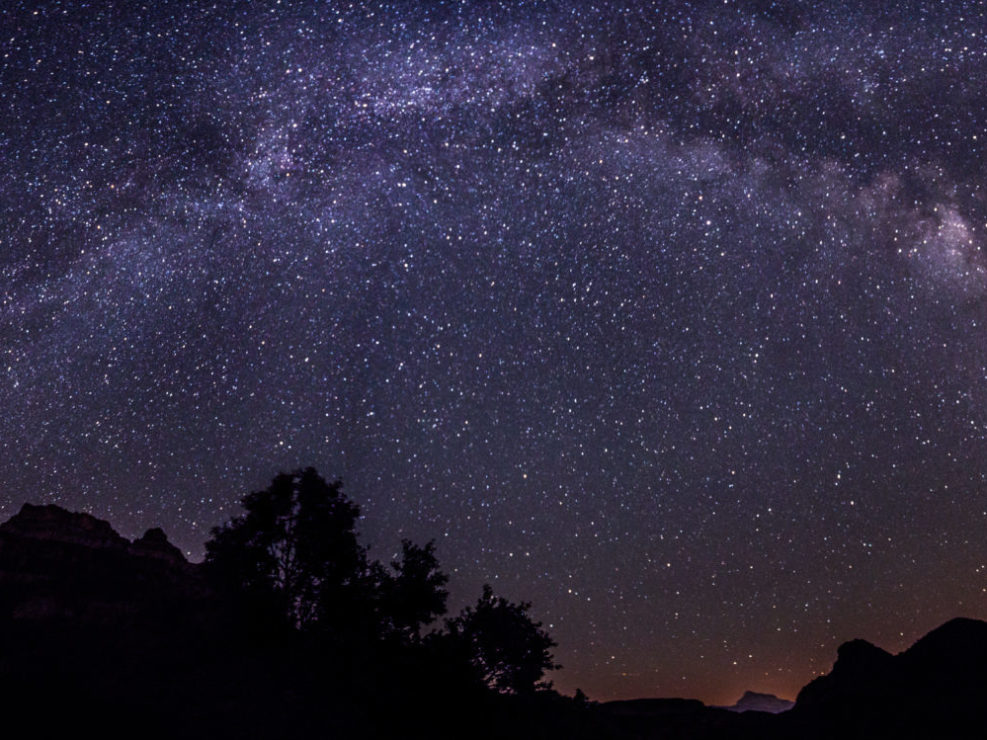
552,675
667,317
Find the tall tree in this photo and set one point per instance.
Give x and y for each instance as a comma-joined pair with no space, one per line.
294,550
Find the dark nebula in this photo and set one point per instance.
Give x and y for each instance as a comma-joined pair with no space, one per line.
667,317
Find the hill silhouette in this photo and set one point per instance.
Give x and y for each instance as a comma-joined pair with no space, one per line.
130,638
935,688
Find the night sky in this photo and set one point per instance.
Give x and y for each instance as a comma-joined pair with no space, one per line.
667,317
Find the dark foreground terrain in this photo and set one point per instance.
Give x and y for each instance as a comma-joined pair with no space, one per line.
123,638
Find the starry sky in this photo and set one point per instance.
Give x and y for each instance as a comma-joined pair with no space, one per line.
668,317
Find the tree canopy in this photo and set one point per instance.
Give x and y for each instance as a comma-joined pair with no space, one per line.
414,595
295,549
509,651
294,556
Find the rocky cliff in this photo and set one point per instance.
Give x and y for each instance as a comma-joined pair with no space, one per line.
57,564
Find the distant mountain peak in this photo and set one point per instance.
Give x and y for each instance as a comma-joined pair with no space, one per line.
754,701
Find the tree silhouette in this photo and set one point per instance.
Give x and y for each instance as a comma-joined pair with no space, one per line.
508,651
414,595
294,552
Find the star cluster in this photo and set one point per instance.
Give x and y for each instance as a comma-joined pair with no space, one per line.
668,317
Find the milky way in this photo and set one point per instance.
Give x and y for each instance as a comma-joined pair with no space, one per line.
669,318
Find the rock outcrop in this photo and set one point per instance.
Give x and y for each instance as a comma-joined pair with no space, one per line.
862,672
56,564
154,544
50,523
936,688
